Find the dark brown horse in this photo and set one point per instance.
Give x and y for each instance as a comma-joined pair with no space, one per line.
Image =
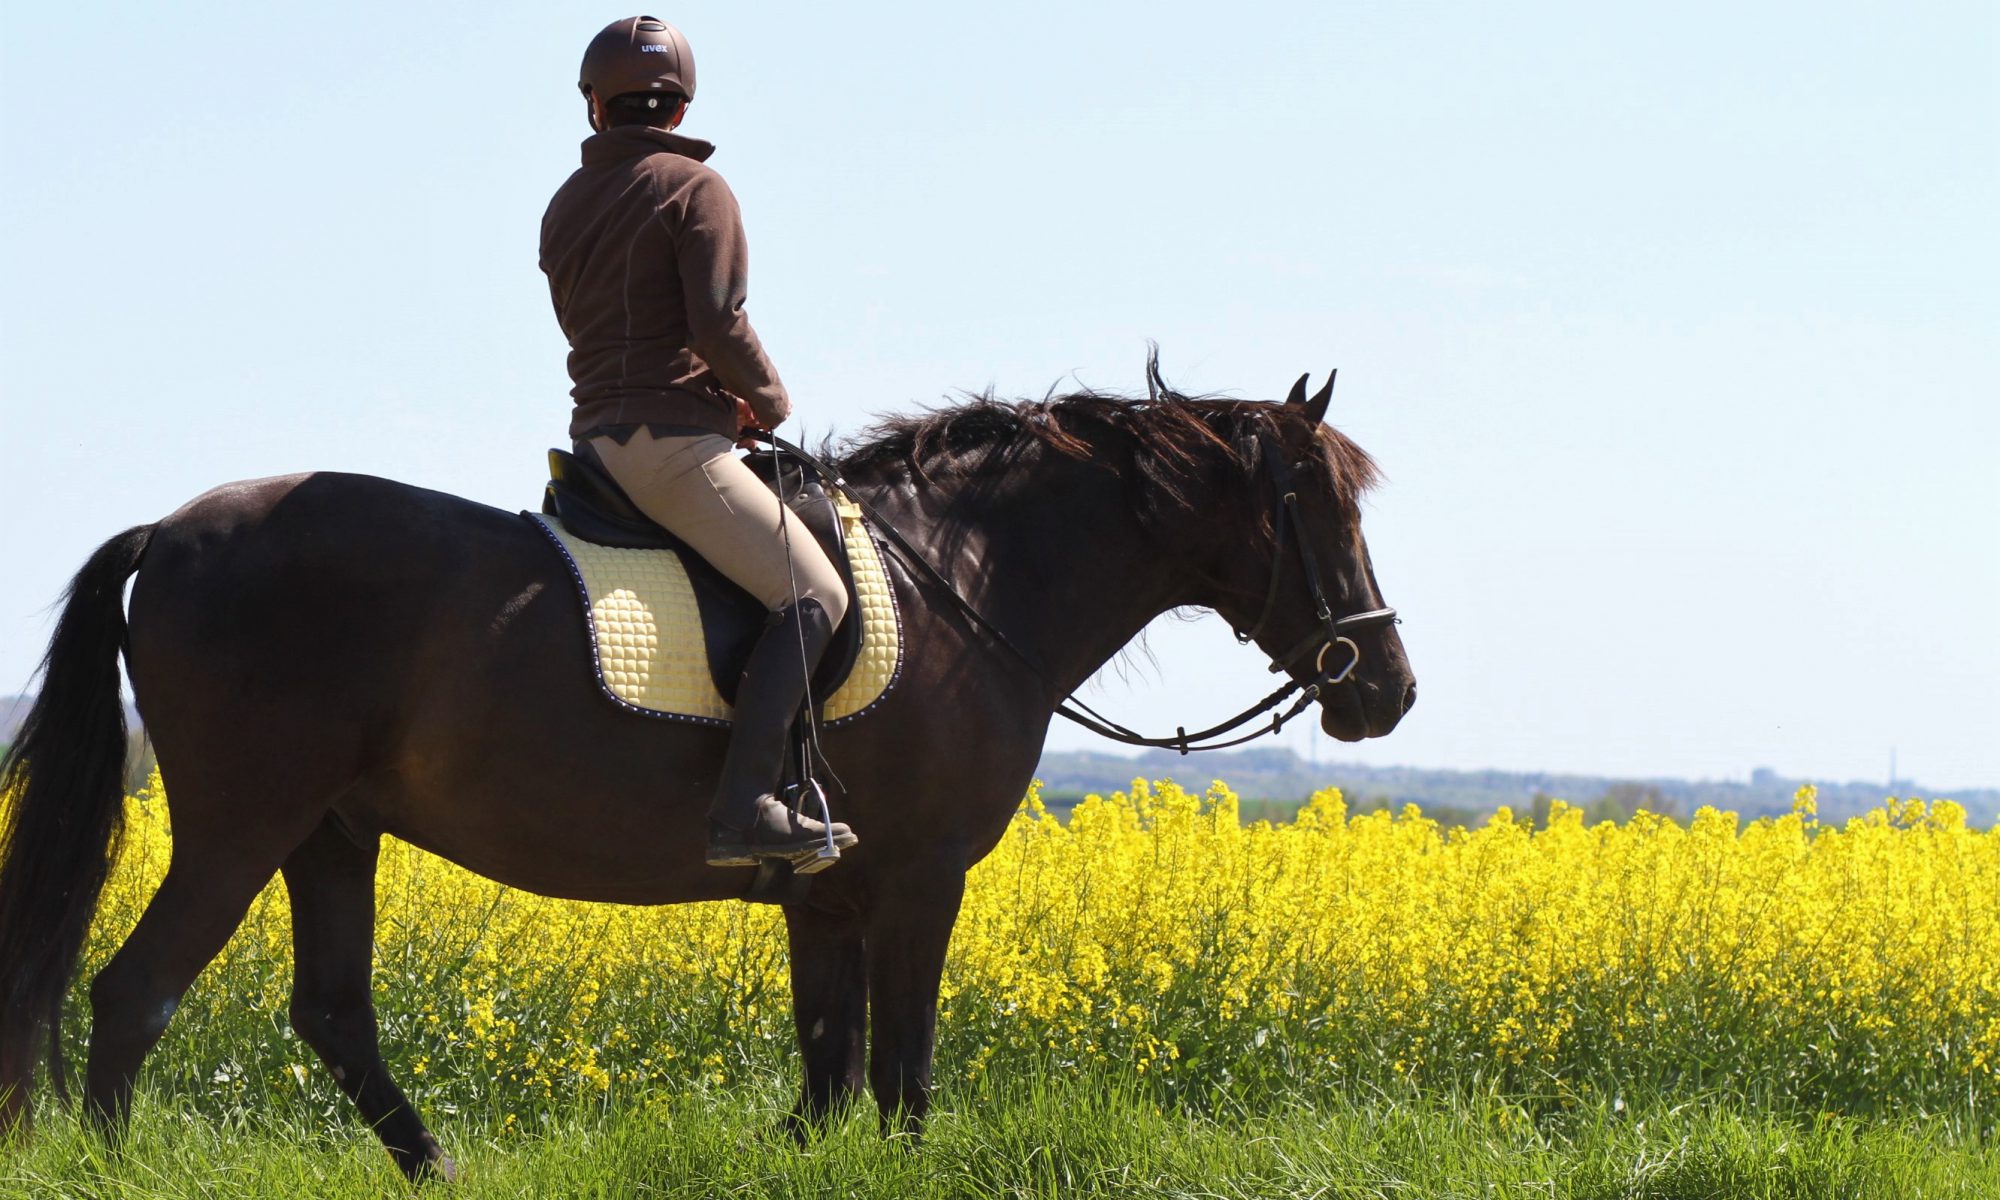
322,659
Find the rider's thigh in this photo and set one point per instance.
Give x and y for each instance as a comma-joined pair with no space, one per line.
698,490
750,499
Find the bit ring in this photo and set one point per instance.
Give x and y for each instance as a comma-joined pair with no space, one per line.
1354,660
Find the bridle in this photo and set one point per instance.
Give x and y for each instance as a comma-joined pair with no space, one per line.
1329,632
1332,631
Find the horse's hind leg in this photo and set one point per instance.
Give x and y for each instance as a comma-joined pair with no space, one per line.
332,883
200,903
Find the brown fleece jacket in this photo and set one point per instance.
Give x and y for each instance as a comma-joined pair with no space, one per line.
647,265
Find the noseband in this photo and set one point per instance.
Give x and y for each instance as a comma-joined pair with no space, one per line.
1331,631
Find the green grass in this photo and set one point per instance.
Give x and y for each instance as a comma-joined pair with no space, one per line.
1094,1138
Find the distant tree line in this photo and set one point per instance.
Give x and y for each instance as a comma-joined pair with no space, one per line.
1274,783
139,760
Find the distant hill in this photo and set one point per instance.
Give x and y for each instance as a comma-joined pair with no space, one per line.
14,710
1277,781
138,760
1282,778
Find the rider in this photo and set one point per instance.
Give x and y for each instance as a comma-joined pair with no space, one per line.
645,255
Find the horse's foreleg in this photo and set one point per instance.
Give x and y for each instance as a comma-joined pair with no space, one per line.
907,934
331,878
830,1011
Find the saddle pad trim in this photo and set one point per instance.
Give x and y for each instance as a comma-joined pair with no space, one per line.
617,611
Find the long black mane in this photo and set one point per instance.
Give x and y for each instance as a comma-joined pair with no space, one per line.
1168,432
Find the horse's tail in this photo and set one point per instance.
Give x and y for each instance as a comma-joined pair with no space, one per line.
62,793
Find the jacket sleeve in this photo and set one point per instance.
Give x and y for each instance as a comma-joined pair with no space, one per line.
714,262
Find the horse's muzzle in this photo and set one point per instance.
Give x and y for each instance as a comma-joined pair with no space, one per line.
1356,711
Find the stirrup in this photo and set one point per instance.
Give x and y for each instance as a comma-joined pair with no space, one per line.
808,855
817,859
827,851
806,859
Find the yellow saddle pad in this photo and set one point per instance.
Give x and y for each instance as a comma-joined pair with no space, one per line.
646,628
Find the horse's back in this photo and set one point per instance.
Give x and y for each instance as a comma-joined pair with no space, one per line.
264,513
326,584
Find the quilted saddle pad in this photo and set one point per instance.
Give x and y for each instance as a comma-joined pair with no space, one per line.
645,628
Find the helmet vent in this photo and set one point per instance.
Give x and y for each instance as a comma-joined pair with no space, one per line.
650,25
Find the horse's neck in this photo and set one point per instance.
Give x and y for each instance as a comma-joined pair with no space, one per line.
1053,555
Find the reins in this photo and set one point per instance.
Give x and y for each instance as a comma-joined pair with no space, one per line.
1332,631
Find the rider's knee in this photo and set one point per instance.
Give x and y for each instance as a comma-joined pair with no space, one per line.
832,599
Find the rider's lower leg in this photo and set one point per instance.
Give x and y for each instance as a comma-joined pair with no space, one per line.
748,820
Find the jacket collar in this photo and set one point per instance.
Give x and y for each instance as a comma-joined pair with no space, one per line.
634,141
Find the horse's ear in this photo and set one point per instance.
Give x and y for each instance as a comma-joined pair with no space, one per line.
1316,407
1156,383
1298,395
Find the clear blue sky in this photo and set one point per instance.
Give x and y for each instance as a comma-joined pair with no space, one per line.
1673,327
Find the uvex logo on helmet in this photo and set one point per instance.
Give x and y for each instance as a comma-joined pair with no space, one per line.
637,54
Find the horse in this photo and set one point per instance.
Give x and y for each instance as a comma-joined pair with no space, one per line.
324,659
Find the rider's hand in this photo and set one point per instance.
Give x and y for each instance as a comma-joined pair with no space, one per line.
746,421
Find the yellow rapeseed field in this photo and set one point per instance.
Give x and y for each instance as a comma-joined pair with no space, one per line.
1847,969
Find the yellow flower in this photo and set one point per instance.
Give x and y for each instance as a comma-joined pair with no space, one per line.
1153,932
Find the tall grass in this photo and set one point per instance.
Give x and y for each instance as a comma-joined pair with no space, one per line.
1096,1135
1156,982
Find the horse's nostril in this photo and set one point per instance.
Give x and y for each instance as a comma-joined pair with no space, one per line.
1409,697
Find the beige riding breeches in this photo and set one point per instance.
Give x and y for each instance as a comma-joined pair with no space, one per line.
699,491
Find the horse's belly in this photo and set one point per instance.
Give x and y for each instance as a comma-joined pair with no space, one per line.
520,769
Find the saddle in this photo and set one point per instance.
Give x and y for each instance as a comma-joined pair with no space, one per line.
591,507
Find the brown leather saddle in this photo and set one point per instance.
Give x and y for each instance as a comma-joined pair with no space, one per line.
592,507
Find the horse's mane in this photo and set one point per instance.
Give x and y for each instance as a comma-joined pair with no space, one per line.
1169,432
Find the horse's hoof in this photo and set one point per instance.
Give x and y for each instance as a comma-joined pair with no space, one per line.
434,1167
800,1131
440,1169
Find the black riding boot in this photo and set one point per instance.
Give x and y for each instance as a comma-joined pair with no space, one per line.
748,821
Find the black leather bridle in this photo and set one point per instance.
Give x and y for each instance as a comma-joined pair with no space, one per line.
1332,631
1329,632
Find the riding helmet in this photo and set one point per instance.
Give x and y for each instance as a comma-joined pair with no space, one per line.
637,54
